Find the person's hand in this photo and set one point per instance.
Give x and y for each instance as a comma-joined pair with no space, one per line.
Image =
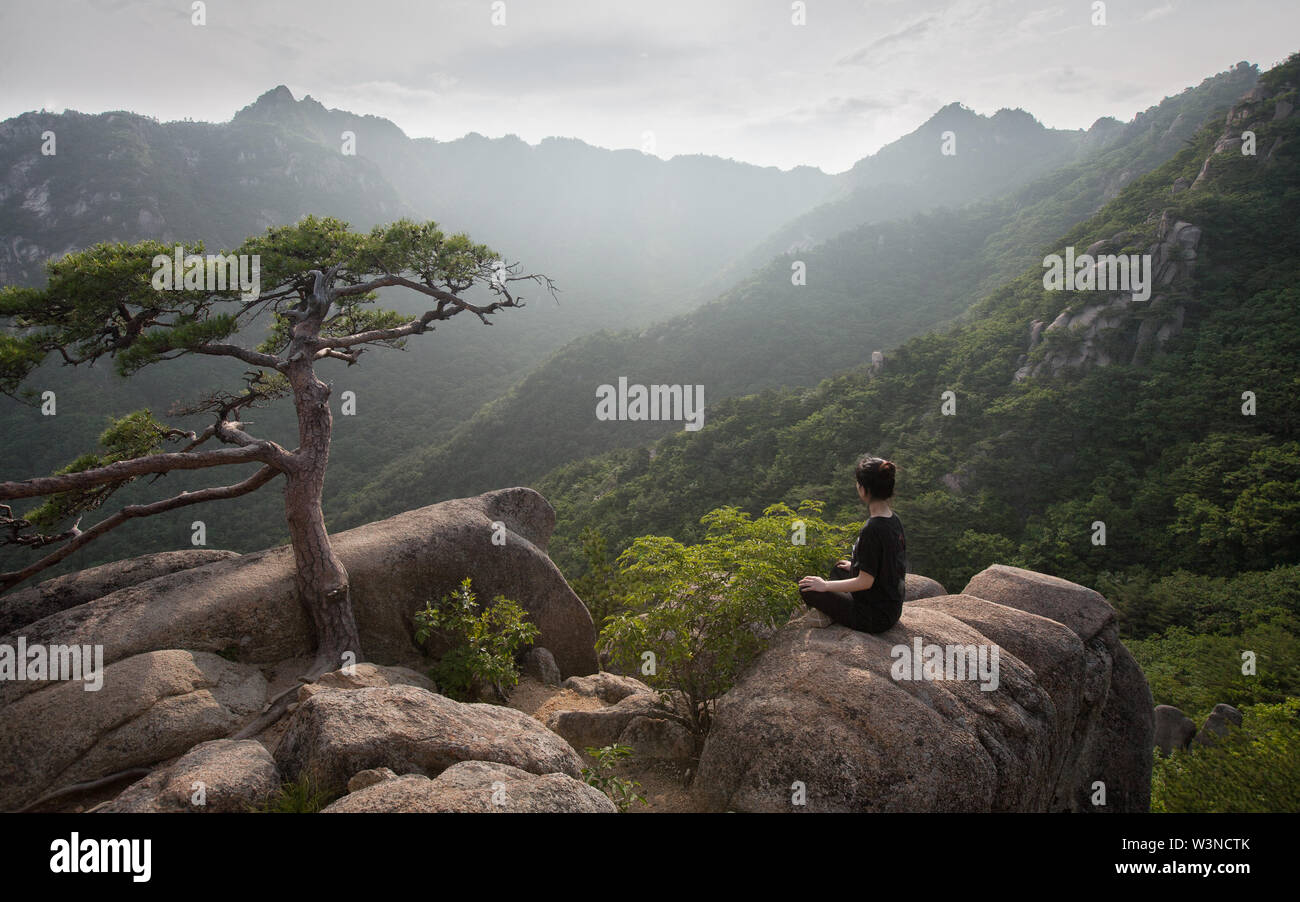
844,565
815,583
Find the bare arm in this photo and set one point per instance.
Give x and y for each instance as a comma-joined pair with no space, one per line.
859,583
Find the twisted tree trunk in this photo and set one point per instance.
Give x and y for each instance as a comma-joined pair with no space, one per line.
321,577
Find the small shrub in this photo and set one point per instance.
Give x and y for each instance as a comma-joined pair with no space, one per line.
621,792
703,611
302,796
484,642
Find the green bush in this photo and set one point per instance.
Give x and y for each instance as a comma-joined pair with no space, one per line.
697,615
1254,769
621,792
301,796
483,643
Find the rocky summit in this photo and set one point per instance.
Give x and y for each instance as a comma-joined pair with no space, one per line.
1054,714
821,721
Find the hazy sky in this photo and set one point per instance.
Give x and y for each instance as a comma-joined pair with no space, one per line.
735,78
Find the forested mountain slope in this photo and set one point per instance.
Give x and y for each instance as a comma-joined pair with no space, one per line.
1153,439
625,235
868,289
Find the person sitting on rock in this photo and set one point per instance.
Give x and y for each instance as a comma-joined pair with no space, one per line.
866,592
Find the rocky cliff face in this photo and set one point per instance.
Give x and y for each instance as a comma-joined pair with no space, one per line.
1105,327
1110,327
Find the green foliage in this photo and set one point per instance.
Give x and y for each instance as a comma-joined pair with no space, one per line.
482,642
1211,605
134,435
110,302
1253,769
1189,632
103,301
1195,672
599,586
703,610
621,792
302,796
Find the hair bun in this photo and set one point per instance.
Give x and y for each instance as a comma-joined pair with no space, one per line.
886,466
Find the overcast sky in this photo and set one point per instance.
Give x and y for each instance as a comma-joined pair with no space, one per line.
734,78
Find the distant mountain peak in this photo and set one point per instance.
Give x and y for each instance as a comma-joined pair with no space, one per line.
278,94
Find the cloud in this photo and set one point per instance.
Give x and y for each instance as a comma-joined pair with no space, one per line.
1158,12
891,41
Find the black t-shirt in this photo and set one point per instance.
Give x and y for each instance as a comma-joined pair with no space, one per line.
881,550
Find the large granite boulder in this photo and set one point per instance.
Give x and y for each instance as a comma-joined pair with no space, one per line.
24,606
479,787
919,587
247,606
151,707
827,719
213,777
1118,752
602,726
337,733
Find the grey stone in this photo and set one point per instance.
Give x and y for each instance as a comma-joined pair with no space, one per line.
336,733
477,787
539,663
1222,719
1173,729
370,777
24,606
223,775
822,707
151,707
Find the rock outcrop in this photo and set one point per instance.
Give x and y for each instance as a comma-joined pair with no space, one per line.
477,787
610,688
1173,729
824,721
247,607
151,707
1216,727
632,715
17,609
1106,327
224,775
337,733
540,664
1117,748
919,587
165,688
1258,107
603,726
